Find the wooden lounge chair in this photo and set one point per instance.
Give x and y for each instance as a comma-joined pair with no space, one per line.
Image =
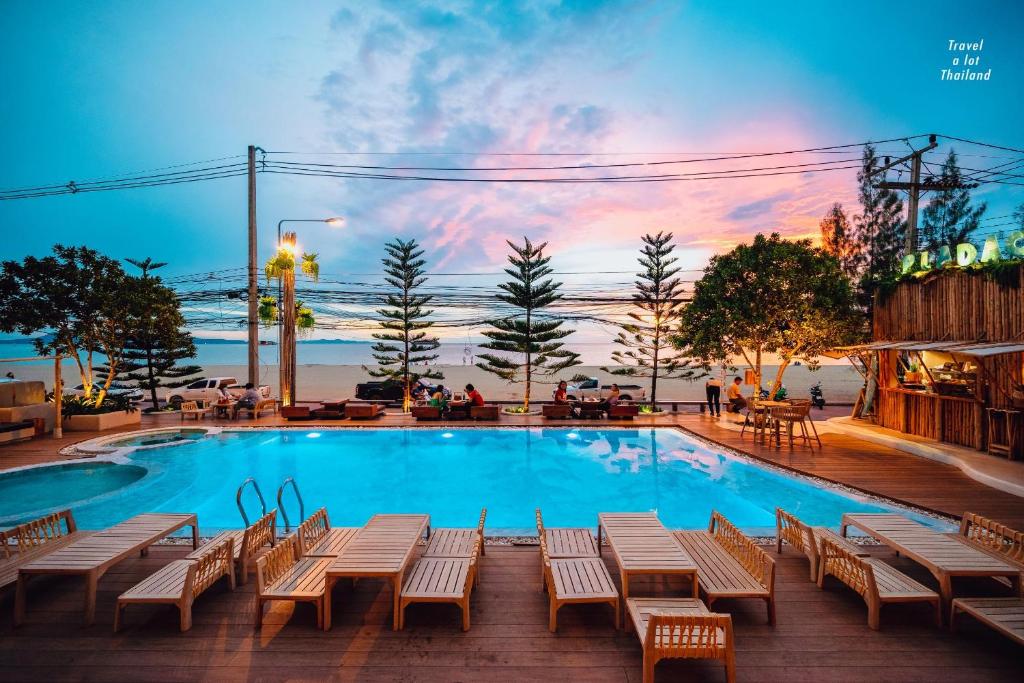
458,543
681,628
992,537
316,538
35,539
807,539
181,582
281,575
426,412
441,579
574,581
565,542
877,582
623,411
556,411
485,412
260,407
364,411
295,412
192,409
247,543
1005,615
730,564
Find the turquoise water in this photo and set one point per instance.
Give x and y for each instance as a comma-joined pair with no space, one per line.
572,474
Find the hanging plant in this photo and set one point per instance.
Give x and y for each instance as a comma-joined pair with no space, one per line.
310,267
278,264
304,319
268,311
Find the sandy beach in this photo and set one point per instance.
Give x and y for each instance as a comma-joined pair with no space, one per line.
840,383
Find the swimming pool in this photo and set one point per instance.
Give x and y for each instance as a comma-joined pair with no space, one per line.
571,474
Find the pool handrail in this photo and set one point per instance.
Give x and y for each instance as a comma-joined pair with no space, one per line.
280,503
238,499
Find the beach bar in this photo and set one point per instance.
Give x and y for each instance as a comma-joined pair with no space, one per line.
950,359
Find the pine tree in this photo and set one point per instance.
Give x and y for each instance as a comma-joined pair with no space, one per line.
839,240
649,351
532,335
879,230
949,218
405,342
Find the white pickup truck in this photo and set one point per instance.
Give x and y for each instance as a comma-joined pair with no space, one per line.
591,388
208,390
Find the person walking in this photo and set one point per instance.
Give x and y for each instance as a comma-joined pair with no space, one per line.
713,392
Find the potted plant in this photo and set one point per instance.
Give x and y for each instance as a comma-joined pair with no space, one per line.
83,415
913,374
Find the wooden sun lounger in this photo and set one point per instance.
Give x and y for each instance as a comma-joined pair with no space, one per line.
807,539
643,546
944,556
317,538
381,549
363,411
281,575
442,579
247,544
458,543
681,628
1005,615
575,581
993,538
192,409
92,556
565,542
730,564
877,582
40,537
181,582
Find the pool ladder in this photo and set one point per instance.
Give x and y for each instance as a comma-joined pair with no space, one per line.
263,502
259,494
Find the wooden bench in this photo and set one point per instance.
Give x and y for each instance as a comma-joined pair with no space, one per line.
875,581
181,582
317,538
565,542
295,412
556,411
247,544
621,411
484,412
426,412
442,579
1005,615
730,565
574,581
37,538
807,539
260,407
281,575
681,628
363,411
192,409
993,538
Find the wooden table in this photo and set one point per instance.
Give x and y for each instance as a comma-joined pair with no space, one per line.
380,549
92,556
223,409
642,545
945,556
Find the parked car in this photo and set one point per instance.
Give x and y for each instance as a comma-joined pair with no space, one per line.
591,388
208,390
133,393
391,390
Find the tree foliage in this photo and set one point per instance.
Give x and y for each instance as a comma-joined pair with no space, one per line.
949,218
529,342
838,239
405,343
647,339
772,296
880,231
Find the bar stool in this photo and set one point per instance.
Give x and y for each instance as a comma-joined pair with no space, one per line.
1002,431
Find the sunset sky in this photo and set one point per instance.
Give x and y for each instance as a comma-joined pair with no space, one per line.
100,89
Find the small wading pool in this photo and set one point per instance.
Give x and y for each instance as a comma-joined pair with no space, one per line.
571,474
161,438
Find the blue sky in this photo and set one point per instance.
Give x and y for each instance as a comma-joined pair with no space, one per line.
97,89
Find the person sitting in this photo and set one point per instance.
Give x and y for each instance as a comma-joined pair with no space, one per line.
473,396
249,399
561,393
613,396
735,395
439,400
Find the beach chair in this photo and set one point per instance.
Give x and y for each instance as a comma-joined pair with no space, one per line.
458,543
730,565
807,539
247,543
565,542
575,581
875,581
181,582
681,628
192,409
315,537
1005,615
281,575
34,539
441,579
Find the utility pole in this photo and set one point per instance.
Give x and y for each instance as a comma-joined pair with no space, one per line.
253,321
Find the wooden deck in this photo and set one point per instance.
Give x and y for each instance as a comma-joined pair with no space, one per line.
821,635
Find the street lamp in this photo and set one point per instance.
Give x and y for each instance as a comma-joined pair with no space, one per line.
286,311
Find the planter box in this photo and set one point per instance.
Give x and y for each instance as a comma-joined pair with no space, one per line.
99,423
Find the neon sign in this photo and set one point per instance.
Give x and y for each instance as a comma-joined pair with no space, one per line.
965,254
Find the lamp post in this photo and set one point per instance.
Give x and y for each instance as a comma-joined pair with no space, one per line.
286,354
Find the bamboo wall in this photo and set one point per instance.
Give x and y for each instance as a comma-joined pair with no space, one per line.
954,307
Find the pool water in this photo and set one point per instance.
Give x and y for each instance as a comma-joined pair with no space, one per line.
43,489
158,438
571,474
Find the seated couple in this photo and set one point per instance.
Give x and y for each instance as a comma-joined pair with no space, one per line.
560,395
439,400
